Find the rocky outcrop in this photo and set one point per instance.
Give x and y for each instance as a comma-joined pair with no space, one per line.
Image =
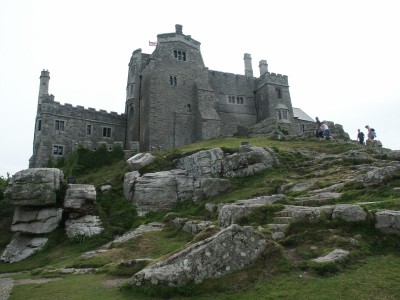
22,247
197,177
214,163
35,187
335,255
214,186
140,160
231,249
195,226
34,192
232,213
348,213
206,163
154,226
247,161
83,226
317,199
129,181
34,220
388,221
159,191
378,176
80,198
344,212
81,220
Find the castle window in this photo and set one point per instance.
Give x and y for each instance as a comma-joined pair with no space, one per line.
278,92
106,132
189,108
172,80
239,100
89,129
282,114
39,125
180,55
59,125
58,150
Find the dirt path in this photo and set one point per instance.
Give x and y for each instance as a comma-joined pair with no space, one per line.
6,285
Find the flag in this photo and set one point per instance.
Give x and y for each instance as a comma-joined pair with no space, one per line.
152,43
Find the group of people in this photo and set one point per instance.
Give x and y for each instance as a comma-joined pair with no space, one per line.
322,130
371,135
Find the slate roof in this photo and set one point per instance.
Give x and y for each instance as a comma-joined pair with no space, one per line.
301,115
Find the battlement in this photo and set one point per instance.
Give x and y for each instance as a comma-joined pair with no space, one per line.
67,107
225,75
178,36
272,78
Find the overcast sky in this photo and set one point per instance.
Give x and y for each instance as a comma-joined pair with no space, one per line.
342,57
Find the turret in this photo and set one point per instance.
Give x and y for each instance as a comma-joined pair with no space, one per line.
248,69
44,85
263,65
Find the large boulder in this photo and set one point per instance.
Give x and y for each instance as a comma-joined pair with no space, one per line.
214,186
22,247
388,221
248,161
231,249
206,163
80,198
34,220
232,213
83,226
35,187
140,160
129,182
335,255
349,213
378,176
160,190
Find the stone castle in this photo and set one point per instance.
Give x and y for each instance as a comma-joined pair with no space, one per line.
172,99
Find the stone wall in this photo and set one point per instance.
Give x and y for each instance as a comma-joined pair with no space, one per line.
74,130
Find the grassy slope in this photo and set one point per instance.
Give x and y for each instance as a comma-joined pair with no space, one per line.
370,272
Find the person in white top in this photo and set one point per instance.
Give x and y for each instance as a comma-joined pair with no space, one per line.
327,132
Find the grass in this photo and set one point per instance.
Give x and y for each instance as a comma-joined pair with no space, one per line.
283,272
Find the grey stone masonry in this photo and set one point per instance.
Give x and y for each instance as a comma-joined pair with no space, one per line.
172,99
60,129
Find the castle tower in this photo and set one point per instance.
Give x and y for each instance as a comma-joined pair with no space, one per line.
44,85
263,65
248,69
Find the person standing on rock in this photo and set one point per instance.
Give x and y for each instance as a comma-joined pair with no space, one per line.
360,137
371,133
326,131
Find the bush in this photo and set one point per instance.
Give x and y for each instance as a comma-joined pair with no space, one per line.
83,160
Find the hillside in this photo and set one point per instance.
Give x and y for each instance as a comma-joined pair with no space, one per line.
311,174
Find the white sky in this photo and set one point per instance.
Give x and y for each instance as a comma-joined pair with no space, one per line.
342,57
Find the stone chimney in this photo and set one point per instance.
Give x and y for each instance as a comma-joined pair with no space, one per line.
248,69
263,65
178,29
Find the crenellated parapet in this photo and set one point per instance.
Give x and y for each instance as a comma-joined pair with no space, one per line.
68,110
272,78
